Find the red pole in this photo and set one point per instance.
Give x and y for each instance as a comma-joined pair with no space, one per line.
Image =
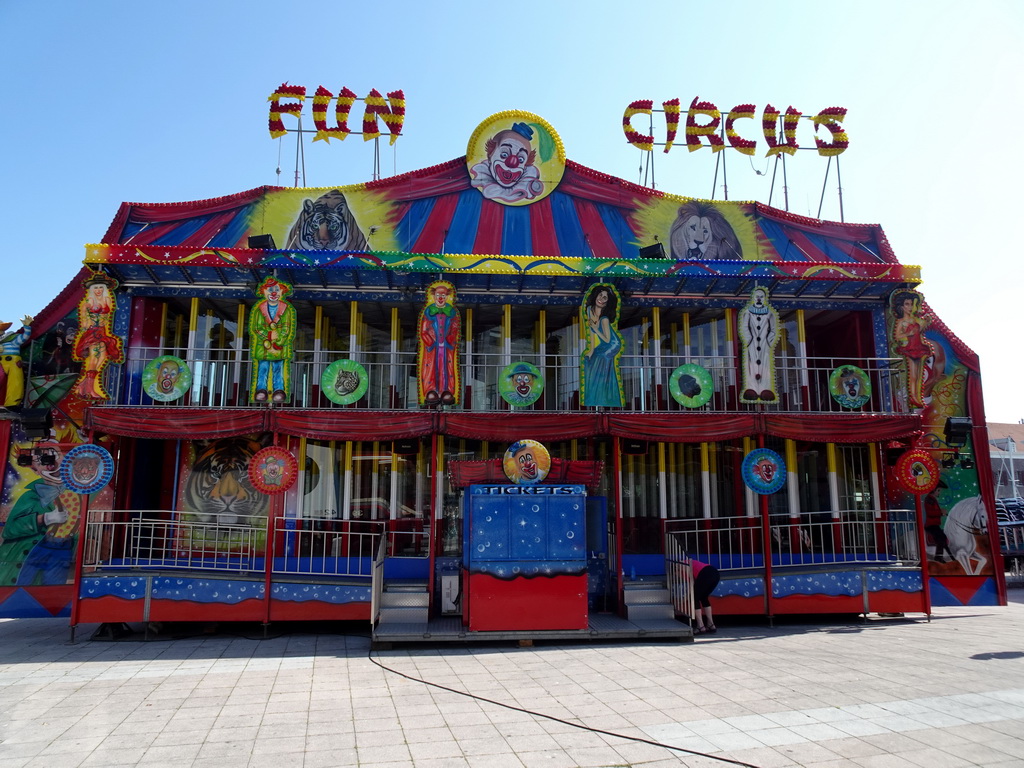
436,536
276,503
766,537
83,527
925,585
617,511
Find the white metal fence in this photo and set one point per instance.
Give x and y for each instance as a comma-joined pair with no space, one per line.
854,536
679,577
159,540
221,379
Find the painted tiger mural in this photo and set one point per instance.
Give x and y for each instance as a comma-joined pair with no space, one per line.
326,224
218,489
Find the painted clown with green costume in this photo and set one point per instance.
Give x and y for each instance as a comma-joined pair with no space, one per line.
271,342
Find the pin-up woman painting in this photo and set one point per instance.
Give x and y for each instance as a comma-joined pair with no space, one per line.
925,360
96,345
601,380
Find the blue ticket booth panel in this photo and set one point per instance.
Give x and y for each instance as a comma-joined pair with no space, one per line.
525,557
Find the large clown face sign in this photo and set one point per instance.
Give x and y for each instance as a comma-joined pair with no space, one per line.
526,462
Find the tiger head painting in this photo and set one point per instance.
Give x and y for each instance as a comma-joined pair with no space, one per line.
326,224
218,489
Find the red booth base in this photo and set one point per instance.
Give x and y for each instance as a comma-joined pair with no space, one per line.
556,602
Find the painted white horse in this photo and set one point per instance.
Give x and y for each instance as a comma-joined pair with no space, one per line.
964,521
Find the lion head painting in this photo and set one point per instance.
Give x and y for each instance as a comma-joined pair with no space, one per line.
701,231
326,224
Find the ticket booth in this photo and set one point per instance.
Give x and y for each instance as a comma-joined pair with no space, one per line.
525,557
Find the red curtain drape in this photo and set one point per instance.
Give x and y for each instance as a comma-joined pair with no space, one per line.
175,423
580,472
841,428
196,423
353,425
681,427
509,427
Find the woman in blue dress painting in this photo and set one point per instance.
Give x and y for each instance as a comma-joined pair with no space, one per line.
599,366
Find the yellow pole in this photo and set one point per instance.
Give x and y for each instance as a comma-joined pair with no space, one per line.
163,326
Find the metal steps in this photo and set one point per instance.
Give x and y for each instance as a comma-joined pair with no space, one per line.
404,601
648,600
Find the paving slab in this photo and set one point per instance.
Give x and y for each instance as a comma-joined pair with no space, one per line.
816,692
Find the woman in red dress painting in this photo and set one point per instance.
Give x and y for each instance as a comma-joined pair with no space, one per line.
95,345
909,342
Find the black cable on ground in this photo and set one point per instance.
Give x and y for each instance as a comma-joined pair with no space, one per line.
134,637
653,743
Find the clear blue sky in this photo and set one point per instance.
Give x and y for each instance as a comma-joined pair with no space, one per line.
109,101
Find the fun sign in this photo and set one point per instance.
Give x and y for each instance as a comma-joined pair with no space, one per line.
288,100
704,127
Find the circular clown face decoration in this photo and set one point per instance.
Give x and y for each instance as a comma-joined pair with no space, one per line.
515,158
850,386
764,471
344,381
691,385
917,472
526,462
273,470
86,468
166,378
520,384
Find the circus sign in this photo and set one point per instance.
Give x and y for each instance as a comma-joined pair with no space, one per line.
288,100
703,127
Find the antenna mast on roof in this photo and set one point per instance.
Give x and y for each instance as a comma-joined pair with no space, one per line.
300,151
649,170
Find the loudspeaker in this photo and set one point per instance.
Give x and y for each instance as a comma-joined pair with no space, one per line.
407,447
656,251
262,243
634,447
37,423
958,429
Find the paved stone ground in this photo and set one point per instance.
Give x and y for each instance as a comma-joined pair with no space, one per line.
886,693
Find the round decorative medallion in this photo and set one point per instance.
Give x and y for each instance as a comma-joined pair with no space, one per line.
273,470
344,381
526,462
917,472
764,471
166,378
691,385
521,384
86,468
849,386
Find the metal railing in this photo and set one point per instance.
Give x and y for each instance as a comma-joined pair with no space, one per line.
329,553
150,539
159,540
1011,539
220,378
854,536
679,577
377,585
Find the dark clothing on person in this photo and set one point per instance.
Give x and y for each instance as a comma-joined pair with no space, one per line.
705,579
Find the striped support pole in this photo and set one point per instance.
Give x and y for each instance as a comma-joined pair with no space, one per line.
658,388
801,352
662,485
